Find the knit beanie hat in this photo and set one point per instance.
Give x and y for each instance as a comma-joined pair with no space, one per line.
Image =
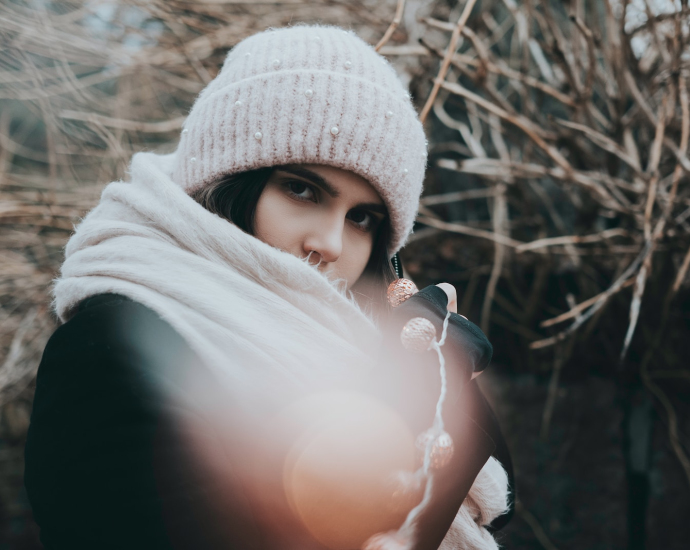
312,95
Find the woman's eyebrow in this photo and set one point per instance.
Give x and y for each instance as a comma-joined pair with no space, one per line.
313,177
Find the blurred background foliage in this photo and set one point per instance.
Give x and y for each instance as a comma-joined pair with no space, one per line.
557,200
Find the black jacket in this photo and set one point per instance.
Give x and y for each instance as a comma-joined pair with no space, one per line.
106,464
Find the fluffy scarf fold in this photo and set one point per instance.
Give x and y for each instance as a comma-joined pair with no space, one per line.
256,316
247,309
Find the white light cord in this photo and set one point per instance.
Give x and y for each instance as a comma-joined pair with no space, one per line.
407,528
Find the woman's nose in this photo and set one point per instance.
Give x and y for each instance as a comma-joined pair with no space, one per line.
327,242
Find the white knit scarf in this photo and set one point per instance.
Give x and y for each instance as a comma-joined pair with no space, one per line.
236,300
248,310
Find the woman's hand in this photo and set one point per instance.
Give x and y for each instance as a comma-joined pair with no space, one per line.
453,307
452,296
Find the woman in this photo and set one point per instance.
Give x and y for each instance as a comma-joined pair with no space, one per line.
228,374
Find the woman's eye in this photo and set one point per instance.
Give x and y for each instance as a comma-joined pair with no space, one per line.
301,191
362,219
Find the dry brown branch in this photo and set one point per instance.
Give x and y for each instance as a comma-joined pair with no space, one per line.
466,230
500,222
572,239
591,57
673,434
604,142
562,352
499,67
641,278
599,303
445,65
406,50
494,168
575,311
393,26
682,272
535,526
533,132
431,200
129,125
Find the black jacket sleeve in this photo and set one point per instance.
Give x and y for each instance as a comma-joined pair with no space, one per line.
107,465
468,417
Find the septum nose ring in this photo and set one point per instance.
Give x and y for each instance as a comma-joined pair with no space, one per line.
308,258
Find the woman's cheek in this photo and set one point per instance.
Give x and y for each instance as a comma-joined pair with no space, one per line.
278,222
360,245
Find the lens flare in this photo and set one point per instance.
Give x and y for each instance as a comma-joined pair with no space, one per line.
348,476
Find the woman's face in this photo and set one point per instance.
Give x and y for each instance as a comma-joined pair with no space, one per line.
328,212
